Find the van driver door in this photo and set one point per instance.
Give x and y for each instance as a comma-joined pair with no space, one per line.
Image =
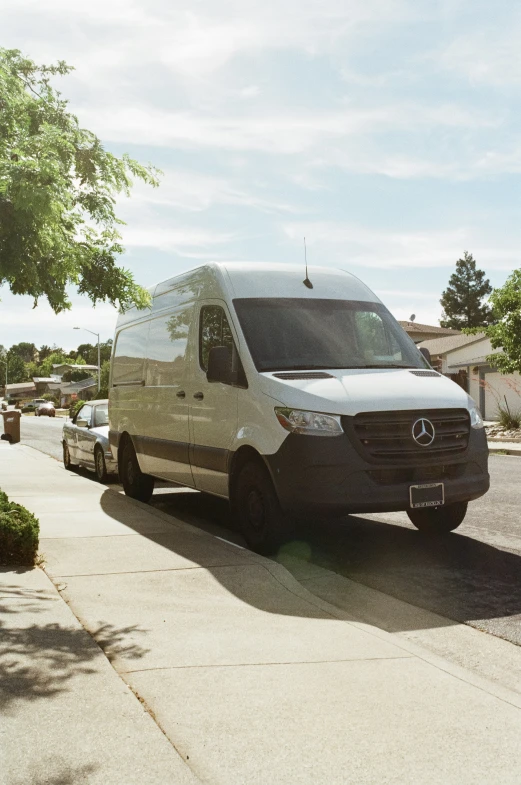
213,406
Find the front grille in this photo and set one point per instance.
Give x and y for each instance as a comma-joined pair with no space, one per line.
388,435
437,473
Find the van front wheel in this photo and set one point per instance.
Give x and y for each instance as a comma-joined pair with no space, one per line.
135,484
259,515
438,520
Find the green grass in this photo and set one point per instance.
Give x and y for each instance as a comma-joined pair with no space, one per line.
19,533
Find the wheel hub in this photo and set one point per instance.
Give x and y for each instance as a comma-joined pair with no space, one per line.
255,509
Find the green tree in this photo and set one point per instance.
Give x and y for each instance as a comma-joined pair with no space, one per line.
75,375
44,351
104,383
89,352
506,332
462,300
26,351
16,369
58,189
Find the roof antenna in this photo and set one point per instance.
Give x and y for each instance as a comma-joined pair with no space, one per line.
306,280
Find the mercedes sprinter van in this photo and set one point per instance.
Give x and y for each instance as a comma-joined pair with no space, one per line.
290,398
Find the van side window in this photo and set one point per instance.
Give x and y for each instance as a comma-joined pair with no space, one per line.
214,331
129,354
167,343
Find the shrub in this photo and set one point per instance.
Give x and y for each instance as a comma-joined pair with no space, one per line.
19,532
508,419
75,407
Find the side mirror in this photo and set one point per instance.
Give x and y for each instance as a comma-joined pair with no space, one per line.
426,353
82,423
220,365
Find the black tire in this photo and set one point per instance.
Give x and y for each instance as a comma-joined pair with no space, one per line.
135,484
100,465
69,465
257,510
438,520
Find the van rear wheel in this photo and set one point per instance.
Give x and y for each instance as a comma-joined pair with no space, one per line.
135,484
261,520
438,520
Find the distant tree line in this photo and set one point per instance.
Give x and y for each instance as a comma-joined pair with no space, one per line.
24,361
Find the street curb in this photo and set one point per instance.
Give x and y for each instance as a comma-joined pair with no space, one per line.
512,453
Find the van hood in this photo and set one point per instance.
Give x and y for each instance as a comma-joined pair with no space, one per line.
361,390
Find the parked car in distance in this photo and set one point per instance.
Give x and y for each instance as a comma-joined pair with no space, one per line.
86,440
33,405
46,409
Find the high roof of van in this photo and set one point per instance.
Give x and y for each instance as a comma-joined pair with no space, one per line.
254,279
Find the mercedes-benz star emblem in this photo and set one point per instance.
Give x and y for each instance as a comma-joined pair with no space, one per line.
423,432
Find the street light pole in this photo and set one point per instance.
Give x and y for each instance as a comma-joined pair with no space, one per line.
5,363
99,354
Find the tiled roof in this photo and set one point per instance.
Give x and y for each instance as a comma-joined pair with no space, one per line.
448,343
414,327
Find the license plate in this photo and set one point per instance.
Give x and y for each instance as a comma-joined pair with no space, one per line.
431,494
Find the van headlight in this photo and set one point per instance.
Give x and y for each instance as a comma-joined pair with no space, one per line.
309,423
476,420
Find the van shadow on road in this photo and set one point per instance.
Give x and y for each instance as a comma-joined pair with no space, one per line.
457,577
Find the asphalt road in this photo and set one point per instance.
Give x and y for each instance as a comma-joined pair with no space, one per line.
471,576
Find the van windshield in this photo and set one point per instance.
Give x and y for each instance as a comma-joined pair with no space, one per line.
304,334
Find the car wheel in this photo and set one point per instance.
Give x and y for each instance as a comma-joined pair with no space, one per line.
69,465
135,484
261,520
438,520
99,462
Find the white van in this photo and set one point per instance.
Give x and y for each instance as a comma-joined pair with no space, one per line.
290,398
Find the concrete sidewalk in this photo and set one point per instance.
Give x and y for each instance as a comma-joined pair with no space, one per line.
250,677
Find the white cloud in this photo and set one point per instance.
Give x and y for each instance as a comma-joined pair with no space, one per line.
354,245
489,56
194,192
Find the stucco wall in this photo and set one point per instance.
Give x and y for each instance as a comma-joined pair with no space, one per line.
497,388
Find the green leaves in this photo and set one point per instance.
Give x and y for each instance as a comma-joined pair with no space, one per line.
506,332
462,300
58,189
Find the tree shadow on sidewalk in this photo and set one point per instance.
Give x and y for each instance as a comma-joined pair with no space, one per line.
38,655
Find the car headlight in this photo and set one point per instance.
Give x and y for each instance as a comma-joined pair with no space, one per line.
476,420
309,423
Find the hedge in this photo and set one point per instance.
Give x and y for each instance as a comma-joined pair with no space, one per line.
19,532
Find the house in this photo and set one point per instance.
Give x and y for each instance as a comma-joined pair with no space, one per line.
426,332
464,359
61,368
45,384
73,391
20,391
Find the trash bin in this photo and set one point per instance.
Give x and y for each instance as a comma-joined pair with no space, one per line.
12,426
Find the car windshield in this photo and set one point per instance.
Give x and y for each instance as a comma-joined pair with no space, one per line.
101,415
303,334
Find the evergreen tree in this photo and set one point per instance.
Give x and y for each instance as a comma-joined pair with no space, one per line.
462,300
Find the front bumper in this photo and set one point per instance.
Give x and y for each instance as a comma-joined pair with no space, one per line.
327,476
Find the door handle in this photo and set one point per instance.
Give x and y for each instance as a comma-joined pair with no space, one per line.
181,394
199,396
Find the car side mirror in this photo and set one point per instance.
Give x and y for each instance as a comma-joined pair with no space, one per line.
220,365
82,423
426,353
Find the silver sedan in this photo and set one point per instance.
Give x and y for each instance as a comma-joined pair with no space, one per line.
86,440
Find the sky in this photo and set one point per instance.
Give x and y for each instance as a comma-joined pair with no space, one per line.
387,132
